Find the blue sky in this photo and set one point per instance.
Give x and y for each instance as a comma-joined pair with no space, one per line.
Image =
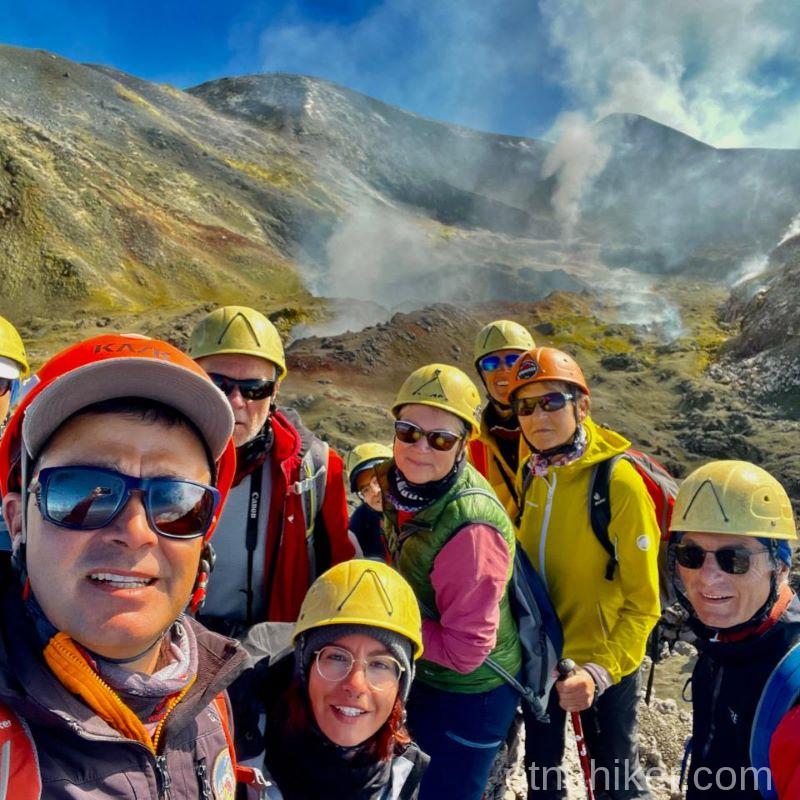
728,73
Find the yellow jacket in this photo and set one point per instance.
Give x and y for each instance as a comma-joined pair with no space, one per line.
484,454
605,622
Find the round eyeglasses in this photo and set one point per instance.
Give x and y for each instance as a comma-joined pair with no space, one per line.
335,664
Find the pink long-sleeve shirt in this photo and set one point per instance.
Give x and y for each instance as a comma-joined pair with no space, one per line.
469,577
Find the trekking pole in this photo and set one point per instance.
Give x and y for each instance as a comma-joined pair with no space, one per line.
566,667
655,646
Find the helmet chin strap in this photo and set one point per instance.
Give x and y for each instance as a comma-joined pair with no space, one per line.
131,659
555,451
564,447
18,549
503,409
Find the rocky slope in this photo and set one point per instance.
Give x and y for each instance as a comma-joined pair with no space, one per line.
764,358
122,196
660,395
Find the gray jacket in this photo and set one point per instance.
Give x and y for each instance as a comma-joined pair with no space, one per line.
82,758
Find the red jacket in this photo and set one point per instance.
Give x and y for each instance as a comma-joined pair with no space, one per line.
784,756
292,574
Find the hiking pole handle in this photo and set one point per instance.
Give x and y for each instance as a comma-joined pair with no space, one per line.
567,667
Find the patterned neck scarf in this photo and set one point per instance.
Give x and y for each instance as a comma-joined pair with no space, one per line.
540,464
413,497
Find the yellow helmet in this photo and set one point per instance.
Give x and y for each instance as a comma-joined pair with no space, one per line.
365,456
446,387
502,334
362,592
238,329
733,497
11,346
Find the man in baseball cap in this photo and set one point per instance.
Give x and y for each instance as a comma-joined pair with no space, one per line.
114,470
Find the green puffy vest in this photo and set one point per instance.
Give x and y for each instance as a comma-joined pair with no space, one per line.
415,547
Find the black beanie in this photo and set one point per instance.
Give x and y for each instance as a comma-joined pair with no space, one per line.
399,646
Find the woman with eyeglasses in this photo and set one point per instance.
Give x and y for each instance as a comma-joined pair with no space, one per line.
334,704
454,543
730,555
607,608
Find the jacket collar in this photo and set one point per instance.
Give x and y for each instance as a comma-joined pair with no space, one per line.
601,444
29,686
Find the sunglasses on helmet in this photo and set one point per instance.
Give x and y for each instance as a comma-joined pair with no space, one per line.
491,362
733,560
250,388
88,498
552,401
408,433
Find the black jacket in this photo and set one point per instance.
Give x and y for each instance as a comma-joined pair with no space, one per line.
367,525
726,686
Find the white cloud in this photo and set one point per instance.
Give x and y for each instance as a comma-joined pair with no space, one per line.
711,68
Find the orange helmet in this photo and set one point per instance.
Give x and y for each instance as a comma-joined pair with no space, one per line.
546,364
114,366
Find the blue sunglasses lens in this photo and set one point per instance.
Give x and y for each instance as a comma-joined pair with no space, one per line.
81,498
491,363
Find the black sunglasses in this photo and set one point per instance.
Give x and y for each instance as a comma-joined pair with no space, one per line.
491,363
250,389
408,433
733,560
5,386
88,498
553,401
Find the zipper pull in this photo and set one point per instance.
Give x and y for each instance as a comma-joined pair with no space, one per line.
164,781
202,779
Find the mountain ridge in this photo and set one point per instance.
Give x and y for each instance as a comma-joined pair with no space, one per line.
117,193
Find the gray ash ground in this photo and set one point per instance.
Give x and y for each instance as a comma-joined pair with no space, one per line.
664,727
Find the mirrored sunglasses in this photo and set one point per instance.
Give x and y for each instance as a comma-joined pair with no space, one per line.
88,498
492,362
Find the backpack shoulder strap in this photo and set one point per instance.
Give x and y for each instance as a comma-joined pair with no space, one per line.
311,488
312,480
780,694
504,475
600,509
20,777
527,480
